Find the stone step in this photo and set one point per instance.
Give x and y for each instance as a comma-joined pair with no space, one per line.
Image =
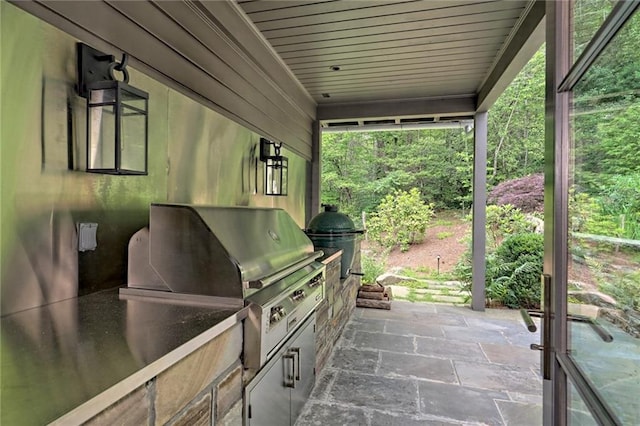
401,292
448,299
448,291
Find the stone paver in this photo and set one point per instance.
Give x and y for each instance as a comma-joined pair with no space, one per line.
429,364
384,341
450,349
517,413
399,395
520,356
351,359
414,329
498,377
323,414
474,334
460,403
417,366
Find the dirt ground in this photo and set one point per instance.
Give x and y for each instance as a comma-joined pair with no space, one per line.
449,247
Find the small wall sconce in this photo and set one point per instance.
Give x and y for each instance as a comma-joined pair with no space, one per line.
276,168
117,115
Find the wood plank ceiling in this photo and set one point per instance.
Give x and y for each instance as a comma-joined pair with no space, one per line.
355,51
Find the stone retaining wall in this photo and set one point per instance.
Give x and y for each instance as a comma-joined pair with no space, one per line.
336,309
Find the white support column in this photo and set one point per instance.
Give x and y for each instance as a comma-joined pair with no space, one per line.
479,211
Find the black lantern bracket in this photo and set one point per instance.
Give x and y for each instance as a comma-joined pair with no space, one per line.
95,66
265,149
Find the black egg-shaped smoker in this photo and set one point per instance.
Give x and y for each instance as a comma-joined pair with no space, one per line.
332,229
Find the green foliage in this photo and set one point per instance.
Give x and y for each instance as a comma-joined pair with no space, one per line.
444,235
426,273
588,217
360,169
518,245
516,125
503,221
512,271
372,267
621,202
625,289
401,219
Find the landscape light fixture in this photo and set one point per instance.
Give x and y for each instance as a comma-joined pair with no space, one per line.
276,168
117,114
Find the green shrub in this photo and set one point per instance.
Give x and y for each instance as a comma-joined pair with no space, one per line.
503,221
372,267
400,220
513,272
516,246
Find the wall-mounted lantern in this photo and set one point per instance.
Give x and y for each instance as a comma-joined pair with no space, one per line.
276,168
117,115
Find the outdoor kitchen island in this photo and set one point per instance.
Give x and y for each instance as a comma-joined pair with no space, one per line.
103,360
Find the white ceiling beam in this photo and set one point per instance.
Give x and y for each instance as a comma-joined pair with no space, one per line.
462,105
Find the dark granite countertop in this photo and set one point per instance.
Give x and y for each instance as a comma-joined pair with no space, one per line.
58,357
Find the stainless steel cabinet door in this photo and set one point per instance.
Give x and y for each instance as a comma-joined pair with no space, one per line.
276,396
269,400
304,349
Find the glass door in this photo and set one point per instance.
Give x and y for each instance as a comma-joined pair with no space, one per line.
596,329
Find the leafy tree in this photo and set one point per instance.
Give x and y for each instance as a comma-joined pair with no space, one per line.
401,219
516,125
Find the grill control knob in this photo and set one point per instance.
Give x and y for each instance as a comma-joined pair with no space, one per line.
277,313
315,281
298,295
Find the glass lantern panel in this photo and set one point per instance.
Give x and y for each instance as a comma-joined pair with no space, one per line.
133,141
276,177
101,135
102,96
283,179
133,100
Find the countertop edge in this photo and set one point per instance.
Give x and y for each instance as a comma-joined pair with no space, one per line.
332,257
103,400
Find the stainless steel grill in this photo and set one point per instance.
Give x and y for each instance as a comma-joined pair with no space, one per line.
230,256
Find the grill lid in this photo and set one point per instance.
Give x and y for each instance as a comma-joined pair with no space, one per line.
220,251
331,222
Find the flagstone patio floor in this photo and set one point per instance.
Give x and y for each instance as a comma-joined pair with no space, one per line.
429,364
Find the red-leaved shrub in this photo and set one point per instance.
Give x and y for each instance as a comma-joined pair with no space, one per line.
525,193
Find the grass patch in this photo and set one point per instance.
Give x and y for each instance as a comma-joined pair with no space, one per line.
442,222
413,284
426,273
414,297
444,234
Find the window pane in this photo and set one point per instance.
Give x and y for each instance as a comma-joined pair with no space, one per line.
604,220
588,15
578,414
